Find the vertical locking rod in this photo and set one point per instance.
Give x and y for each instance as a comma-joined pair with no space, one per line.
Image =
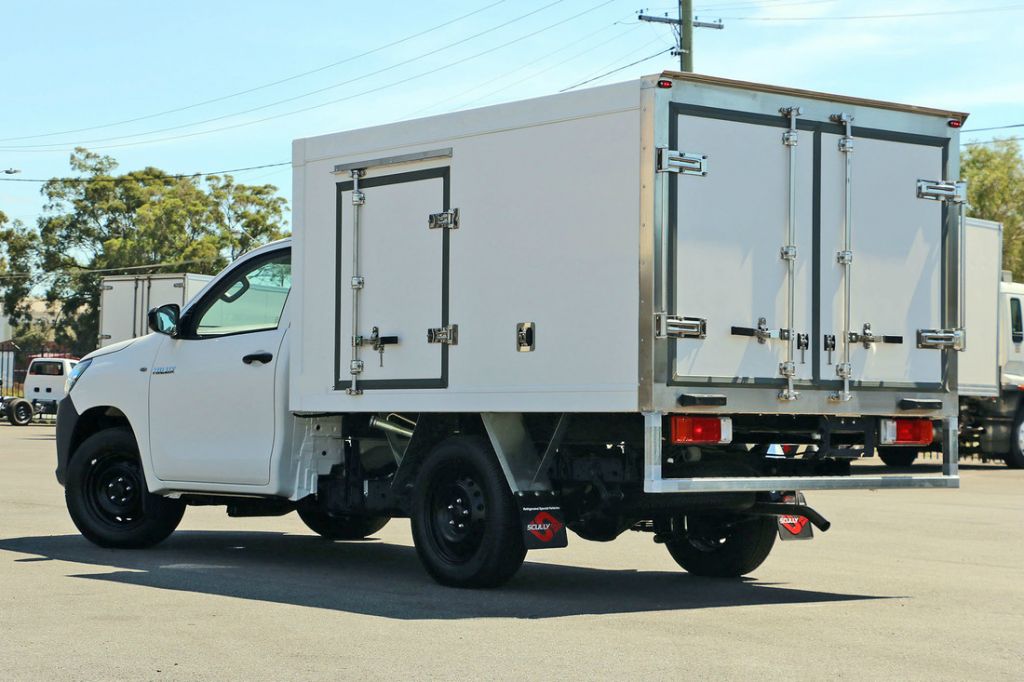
358,199
961,303
845,257
790,139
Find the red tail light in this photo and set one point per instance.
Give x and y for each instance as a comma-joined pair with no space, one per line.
906,432
664,83
691,430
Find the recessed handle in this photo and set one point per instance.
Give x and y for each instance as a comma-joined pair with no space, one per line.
263,357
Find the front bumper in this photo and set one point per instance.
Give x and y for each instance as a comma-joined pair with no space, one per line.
67,420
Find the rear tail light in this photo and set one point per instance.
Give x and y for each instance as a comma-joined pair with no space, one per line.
906,432
693,430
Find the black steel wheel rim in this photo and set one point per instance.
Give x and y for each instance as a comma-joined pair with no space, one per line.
457,514
23,412
114,490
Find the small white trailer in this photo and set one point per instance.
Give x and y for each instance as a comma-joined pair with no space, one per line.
596,311
125,300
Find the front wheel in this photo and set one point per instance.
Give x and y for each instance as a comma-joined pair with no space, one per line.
339,526
723,547
897,457
107,497
20,412
465,524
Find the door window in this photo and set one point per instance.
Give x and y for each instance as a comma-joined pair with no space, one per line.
249,300
1016,321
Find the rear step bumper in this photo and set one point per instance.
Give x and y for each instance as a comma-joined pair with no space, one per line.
654,483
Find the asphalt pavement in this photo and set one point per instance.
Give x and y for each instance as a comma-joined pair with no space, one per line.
907,585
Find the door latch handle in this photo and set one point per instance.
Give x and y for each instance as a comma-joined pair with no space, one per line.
263,357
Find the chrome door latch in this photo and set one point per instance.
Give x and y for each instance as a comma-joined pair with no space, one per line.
867,337
448,336
680,327
445,220
672,161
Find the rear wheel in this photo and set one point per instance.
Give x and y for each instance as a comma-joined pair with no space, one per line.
1015,457
339,526
723,547
464,519
897,457
19,412
107,497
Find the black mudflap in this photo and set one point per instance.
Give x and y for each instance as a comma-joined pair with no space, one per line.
542,520
791,526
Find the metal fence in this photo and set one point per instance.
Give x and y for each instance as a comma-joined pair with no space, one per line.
14,363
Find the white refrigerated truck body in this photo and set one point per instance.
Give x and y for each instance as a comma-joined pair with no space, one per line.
125,300
645,233
594,311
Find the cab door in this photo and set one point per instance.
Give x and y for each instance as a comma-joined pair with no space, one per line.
211,399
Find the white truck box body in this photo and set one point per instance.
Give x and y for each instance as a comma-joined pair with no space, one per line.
978,366
565,222
125,301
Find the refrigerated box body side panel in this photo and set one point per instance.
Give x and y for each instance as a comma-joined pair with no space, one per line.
548,199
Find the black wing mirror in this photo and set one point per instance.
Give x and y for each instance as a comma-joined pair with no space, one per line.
164,320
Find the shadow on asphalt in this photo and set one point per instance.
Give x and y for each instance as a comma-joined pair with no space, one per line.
386,580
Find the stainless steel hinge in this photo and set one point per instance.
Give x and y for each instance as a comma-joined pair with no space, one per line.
447,335
178,285
677,327
672,161
951,191
952,339
445,220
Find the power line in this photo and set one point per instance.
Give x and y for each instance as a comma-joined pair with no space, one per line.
639,61
128,178
529,64
40,147
992,141
85,271
534,74
263,86
937,13
402,81
981,130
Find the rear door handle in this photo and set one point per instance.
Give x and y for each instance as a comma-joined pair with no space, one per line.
263,357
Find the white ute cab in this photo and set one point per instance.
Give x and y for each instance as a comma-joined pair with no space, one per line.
595,311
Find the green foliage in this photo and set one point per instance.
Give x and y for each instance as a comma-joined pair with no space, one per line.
101,220
19,252
995,189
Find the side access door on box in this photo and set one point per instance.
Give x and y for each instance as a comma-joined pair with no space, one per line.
391,301
804,252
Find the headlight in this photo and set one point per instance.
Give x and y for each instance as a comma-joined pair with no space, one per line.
76,373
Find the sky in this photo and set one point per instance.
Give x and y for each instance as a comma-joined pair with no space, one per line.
198,86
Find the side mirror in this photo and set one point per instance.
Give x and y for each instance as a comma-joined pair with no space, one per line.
164,320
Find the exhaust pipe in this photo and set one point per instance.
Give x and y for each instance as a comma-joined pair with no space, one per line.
391,427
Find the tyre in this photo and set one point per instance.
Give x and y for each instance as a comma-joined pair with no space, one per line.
1015,457
107,497
897,457
465,523
339,526
20,412
723,547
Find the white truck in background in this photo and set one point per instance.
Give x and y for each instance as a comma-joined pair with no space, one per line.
593,311
992,368
44,388
126,299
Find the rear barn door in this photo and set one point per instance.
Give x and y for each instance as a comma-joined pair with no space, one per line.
728,229
400,281
896,268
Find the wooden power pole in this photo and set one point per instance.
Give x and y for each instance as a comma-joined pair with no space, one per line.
683,28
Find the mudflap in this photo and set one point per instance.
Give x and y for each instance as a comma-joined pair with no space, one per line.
542,520
791,526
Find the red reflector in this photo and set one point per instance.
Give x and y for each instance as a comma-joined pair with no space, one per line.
696,430
954,123
664,83
914,432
